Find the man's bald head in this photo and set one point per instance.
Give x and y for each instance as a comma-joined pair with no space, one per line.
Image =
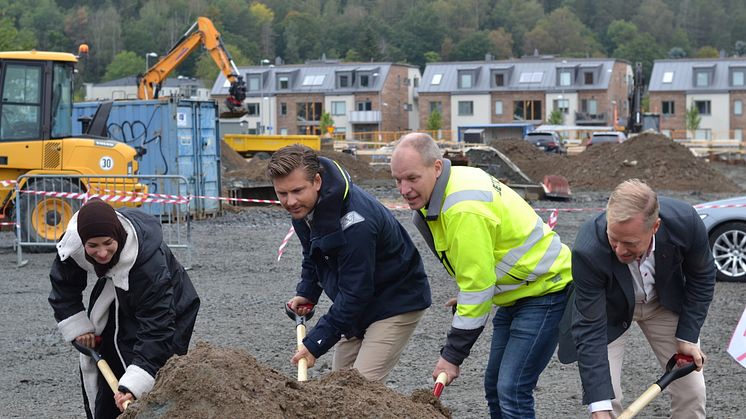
423,144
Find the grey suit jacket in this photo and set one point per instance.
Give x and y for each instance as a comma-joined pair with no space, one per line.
604,297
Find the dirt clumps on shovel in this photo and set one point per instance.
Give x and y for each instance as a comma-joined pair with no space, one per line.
228,382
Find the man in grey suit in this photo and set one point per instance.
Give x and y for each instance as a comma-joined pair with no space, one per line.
645,260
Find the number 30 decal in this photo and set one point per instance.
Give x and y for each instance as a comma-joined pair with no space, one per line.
106,163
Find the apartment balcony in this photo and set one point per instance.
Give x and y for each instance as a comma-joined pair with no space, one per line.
585,118
365,117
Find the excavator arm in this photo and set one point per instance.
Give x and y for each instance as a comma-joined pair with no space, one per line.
202,32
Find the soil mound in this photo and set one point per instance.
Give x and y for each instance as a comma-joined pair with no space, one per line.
253,169
662,163
229,383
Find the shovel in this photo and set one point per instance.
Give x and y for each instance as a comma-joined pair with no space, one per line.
672,373
300,333
103,366
440,383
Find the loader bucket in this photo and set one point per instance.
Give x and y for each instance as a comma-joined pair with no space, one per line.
556,187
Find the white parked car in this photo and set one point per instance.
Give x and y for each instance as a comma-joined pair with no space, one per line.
606,137
726,226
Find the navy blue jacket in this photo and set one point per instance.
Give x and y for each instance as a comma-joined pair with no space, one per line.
361,257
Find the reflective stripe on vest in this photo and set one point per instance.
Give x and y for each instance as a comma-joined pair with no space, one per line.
515,254
466,195
469,323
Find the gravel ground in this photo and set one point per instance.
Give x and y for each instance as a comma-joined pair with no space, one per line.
243,289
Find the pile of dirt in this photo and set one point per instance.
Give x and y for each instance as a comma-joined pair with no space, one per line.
254,169
230,383
654,158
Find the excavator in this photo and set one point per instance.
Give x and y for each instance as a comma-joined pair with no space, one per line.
202,32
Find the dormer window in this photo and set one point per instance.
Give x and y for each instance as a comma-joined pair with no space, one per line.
703,76
364,80
499,79
738,77
283,82
344,80
253,83
588,77
565,78
465,79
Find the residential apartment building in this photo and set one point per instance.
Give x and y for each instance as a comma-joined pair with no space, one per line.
360,97
716,87
126,88
588,92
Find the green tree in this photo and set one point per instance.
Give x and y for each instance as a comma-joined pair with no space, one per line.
124,64
432,57
434,121
676,52
473,47
556,117
325,123
206,69
13,39
707,52
562,33
740,48
642,48
693,118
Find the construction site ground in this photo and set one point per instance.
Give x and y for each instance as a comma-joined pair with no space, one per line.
239,362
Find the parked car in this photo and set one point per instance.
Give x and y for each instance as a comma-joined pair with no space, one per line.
726,226
548,141
607,137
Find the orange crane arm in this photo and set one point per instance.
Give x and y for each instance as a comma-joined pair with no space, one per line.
202,32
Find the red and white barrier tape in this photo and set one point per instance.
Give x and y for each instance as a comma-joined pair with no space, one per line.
552,221
8,182
284,243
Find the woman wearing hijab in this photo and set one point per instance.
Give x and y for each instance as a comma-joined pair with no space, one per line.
142,307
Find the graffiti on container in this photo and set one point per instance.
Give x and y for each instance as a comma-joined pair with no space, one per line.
139,133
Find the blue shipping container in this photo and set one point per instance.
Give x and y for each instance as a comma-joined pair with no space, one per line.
180,138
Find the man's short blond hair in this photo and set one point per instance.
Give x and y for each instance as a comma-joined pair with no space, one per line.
630,199
424,145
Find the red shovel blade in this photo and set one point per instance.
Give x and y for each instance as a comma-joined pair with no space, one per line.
440,384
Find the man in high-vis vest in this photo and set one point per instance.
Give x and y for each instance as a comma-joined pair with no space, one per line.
501,253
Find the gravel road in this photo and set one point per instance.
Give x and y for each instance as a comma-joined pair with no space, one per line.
243,288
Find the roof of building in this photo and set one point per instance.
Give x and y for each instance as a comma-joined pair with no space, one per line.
524,74
680,75
313,77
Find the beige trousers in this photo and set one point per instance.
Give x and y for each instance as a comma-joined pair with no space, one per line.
375,355
659,327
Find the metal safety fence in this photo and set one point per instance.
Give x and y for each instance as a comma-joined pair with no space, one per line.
44,205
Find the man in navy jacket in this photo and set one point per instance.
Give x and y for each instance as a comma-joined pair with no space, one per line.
356,252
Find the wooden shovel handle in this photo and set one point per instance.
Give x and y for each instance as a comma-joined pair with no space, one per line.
636,407
300,333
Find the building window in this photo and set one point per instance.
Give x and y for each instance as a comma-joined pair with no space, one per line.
667,77
668,108
283,83
364,106
737,78
252,109
531,77
737,108
465,80
416,82
313,80
589,106
364,80
562,105
283,108
339,108
498,107
465,108
527,110
436,106
738,134
436,79
344,80
309,111
702,78
499,79
588,77
253,83
703,106
565,78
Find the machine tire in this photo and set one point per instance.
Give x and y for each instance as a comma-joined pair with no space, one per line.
728,246
45,218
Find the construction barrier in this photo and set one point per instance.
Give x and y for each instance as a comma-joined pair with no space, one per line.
44,204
